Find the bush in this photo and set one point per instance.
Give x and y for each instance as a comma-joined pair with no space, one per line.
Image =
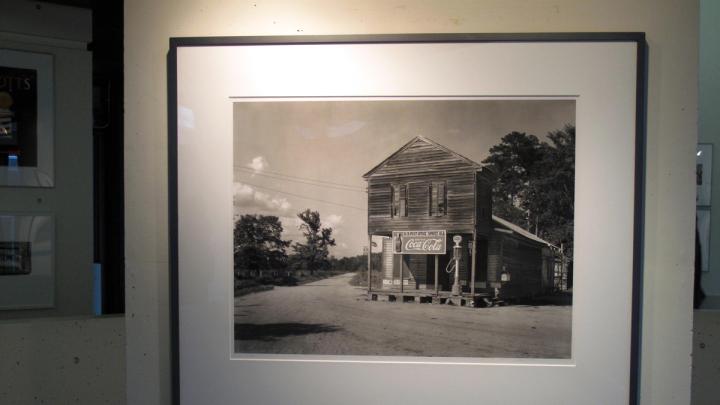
360,279
286,281
248,290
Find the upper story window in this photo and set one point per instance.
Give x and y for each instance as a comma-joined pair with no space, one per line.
398,200
438,199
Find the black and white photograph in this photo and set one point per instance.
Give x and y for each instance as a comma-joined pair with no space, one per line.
404,227
703,174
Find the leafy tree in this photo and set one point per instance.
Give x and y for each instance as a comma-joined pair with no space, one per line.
355,263
535,183
551,195
313,254
513,159
258,243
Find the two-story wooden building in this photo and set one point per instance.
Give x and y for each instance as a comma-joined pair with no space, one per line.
429,189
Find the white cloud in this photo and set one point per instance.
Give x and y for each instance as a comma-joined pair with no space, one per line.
305,132
332,221
344,129
290,228
258,164
243,191
331,131
290,223
248,197
273,203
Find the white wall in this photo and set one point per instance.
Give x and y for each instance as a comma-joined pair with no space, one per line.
671,27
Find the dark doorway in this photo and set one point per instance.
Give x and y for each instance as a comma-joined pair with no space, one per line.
443,276
481,260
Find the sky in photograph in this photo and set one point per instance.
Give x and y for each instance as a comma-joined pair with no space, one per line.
294,155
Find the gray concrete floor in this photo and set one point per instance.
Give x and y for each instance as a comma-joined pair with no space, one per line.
706,357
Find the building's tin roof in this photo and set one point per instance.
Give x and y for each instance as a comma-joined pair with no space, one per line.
520,231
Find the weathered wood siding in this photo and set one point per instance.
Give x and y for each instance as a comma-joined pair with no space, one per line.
415,269
548,269
417,166
465,263
421,154
481,261
494,260
525,266
483,205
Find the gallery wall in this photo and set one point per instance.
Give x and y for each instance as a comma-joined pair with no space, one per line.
671,27
709,132
63,360
64,33
61,355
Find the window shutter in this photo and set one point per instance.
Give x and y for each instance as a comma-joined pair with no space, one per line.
394,201
442,199
434,200
429,200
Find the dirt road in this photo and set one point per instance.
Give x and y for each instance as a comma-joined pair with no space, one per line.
332,317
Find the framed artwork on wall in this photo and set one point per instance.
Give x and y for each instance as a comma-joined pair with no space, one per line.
27,251
703,229
26,119
704,174
413,211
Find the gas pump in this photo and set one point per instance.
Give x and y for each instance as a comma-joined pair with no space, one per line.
457,251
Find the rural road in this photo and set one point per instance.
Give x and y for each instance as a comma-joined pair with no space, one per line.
332,317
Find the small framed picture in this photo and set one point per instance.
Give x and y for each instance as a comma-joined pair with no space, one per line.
704,174
27,249
26,119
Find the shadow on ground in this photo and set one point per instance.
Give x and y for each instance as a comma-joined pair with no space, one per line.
560,299
273,331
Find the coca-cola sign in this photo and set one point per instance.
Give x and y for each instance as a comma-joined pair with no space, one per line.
419,242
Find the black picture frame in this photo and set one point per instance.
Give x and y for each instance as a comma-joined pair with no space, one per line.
640,144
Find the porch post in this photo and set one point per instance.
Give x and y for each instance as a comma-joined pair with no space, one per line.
437,265
402,287
472,265
369,263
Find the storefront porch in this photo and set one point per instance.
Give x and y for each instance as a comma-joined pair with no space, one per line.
428,296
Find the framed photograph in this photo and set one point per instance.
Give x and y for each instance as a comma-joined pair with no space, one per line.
27,249
703,229
704,174
26,119
406,218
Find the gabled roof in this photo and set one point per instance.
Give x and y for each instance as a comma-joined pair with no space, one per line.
520,231
412,142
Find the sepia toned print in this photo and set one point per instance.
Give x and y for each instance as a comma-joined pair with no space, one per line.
398,227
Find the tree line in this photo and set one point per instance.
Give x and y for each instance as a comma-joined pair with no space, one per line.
258,244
